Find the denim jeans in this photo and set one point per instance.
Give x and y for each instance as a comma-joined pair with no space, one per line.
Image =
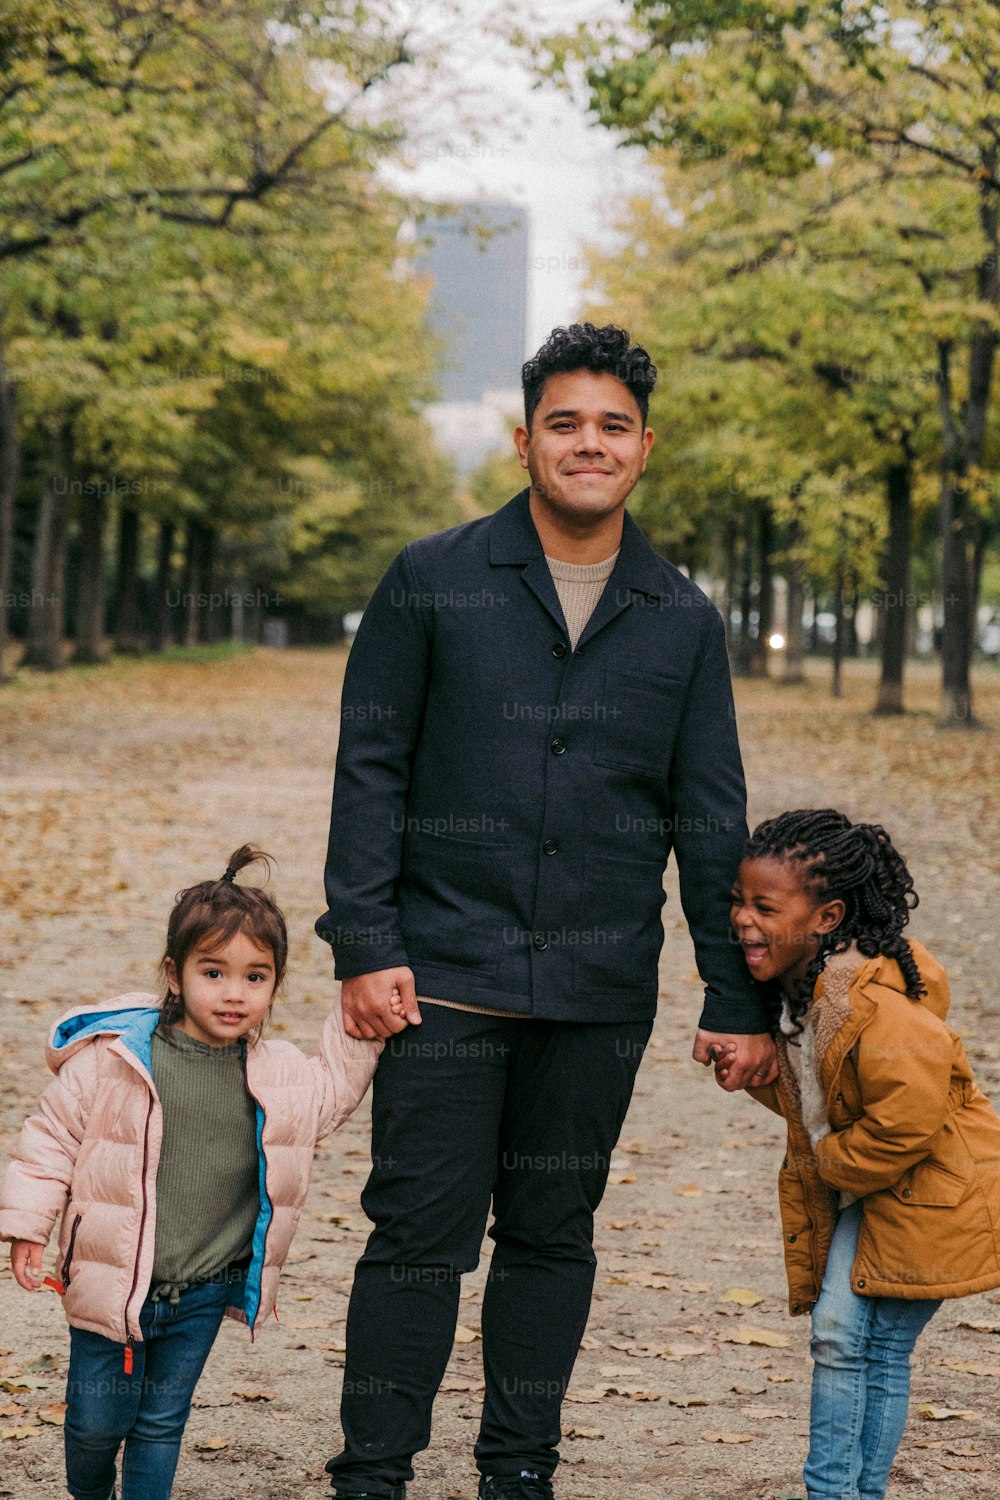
861,1350
147,1409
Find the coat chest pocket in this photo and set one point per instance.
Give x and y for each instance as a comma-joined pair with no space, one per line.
639,715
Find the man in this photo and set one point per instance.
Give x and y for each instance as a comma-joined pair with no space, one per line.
536,709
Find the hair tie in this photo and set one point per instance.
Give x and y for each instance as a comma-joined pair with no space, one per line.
230,874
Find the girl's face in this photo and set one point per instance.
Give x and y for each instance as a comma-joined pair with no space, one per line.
778,920
227,991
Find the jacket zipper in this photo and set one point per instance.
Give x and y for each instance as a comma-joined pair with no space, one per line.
69,1249
263,1157
129,1338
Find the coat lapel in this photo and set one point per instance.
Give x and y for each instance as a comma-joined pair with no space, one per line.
514,540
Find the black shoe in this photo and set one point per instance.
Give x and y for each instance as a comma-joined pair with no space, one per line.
524,1486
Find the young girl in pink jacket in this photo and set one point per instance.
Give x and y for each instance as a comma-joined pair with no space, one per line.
176,1144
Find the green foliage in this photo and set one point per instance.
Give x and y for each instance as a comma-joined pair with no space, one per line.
201,276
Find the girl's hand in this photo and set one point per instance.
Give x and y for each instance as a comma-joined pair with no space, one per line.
26,1263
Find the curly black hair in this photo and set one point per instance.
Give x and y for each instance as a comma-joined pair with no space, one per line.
851,862
582,346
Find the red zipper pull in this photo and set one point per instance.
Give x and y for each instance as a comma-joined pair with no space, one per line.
128,1355
55,1284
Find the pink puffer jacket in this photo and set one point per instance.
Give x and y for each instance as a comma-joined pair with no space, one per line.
91,1152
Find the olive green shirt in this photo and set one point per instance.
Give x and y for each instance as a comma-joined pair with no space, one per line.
208,1177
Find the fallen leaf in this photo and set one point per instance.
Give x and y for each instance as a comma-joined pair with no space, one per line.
981,1325
583,1432
17,1434
585,1397
743,1297
211,1444
762,1413
779,1379
55,1415
24,1383
12,1410
255,1395
970,1367
685,1401
763,1336
747,1389
965,1465
616,1179
710,1435
945,1413
43,1362
689,1190
466,1335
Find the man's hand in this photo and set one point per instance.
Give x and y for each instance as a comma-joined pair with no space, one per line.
739,1060
379,1004
26,1263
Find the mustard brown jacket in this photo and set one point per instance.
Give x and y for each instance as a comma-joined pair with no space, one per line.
911,1134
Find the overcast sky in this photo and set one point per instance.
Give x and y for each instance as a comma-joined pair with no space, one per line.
535,148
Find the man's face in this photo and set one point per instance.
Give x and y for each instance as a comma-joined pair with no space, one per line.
587,447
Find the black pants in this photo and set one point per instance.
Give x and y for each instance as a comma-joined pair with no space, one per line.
466,1107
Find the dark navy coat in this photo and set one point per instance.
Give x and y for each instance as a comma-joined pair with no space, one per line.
504,807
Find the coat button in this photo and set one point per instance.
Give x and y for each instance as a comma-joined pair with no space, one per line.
861,1283
550,847
558,747
907,1193
560,648
792,1238
784,1164
540,941
840,1098
796,1307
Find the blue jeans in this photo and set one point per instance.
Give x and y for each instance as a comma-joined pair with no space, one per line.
147,1409
861,1350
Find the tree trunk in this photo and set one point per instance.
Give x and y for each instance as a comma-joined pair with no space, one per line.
836,685
90,645
732,565
963,448
795,639
128,624
744,645
192,581
853,643
209,612
765,592
162,616
893,614
48,563
10,466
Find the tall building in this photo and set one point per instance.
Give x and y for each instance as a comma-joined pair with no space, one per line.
478,258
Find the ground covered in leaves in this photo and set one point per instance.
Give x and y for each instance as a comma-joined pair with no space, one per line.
121,784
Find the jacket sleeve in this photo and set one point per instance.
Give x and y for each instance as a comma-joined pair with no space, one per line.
343,1070
381,712
708,795
37,1181
904,1078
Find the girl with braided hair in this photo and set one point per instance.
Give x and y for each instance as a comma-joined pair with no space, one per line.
890,1188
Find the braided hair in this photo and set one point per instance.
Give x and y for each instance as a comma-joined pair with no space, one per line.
851,862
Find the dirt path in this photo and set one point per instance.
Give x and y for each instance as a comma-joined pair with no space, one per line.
120,785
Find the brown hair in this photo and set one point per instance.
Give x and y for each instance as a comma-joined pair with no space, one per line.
219,909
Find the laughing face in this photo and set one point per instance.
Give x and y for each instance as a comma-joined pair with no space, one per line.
779,920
